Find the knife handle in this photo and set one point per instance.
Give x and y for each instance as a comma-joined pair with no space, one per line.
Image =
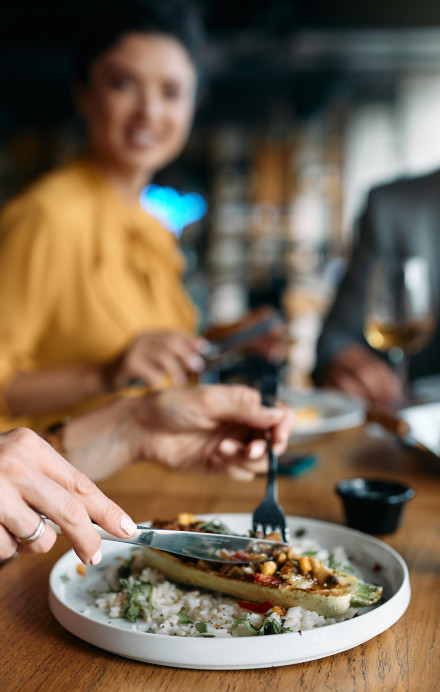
388,420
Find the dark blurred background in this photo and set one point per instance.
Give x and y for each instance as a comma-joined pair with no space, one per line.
307,105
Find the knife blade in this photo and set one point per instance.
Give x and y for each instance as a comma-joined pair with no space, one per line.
194,544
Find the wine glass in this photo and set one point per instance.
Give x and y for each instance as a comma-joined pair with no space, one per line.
399,317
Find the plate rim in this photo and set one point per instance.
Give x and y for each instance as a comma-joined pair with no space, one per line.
100,633
342,421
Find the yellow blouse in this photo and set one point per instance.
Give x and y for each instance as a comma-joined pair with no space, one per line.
81,274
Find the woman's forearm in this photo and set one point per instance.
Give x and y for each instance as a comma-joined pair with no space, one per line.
48,390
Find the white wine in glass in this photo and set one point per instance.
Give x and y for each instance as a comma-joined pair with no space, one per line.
411,336
399,310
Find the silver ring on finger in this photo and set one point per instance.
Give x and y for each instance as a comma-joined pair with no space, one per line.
36,535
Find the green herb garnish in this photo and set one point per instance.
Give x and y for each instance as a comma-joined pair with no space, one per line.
241,627
272,625
216,527
132,608
124,570
183,617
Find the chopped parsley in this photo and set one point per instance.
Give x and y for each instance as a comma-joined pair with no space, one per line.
124,569
242,627
216,526
132,607
183,617
202,630
272,625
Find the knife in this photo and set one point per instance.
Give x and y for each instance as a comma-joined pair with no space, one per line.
194,544
229,345
397,426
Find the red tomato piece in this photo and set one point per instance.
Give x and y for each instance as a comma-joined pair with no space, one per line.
240,555
255,607
267,579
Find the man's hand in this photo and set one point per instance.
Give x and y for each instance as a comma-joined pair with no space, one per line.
359,372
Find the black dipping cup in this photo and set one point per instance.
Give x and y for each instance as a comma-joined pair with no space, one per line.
374,506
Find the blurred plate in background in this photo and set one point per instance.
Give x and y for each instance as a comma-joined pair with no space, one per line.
321,411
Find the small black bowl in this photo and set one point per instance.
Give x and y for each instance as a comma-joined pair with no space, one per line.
374,505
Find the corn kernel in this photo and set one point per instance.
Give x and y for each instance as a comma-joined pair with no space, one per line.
315,565
279,610
292,555
305,564
81,570
268,568
185,519
282,557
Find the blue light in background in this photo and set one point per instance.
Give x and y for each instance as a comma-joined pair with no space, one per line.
172,208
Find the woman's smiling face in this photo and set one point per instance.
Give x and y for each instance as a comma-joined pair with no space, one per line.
139,103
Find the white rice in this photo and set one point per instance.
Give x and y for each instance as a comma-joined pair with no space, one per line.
159,613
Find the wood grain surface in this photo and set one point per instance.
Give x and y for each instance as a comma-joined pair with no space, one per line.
38,654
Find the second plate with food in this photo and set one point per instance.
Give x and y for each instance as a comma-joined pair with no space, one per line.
73,603
321,411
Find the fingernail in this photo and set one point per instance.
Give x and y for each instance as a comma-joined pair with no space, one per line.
196,363
257,450
228,447
127,525
96,558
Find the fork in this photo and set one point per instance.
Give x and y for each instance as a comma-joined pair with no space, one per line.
269,515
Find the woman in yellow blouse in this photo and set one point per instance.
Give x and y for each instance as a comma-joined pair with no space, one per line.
91,296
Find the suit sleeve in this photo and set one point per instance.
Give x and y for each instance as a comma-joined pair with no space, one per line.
29,280
344,323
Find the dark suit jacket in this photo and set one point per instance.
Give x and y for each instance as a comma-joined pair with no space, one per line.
402,217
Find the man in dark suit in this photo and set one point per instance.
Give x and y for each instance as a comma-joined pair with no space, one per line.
401,218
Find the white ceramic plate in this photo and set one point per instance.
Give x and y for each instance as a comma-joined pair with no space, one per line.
73,607
334,411
424,425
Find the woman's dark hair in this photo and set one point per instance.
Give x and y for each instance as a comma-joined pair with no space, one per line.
107,21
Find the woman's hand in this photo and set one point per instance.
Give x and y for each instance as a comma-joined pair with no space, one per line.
35,479
359,372
153,356
272,343
211,428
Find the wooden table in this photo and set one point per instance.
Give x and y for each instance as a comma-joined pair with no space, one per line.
38,654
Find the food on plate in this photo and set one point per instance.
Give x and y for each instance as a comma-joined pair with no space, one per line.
282,575
306,414
302,587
